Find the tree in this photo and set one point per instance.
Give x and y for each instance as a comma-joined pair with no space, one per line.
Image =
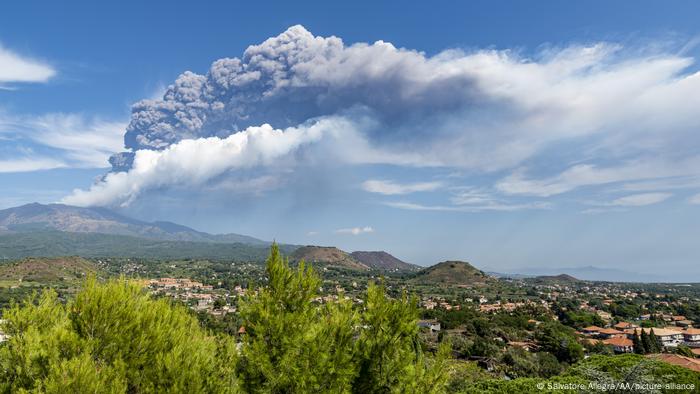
647,344
685,351
293,344
548,365
637,344
388,352
111,338
654,342
559,340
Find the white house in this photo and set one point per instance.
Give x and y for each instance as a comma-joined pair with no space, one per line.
432,325
667,337
692,336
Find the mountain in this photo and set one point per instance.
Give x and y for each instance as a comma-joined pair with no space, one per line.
327,255
501,275
598,274
47,243
561,278
33,217
382,261
458,273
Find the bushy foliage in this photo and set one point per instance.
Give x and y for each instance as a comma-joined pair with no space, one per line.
115,338
617,373
111,338
561,341
633,368
295,345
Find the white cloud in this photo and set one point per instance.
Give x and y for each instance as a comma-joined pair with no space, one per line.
16,68
695,200
392,188
28,164
76,140
620,204
686,182
355,230
639,200
503,207
591,175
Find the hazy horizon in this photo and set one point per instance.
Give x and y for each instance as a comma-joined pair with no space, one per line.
566,137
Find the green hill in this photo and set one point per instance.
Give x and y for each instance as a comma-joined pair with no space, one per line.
456,273
46,270
326,255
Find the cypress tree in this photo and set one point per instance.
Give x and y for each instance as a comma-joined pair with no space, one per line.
646,343
655,343
637,344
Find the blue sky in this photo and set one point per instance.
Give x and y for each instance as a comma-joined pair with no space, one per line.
508,134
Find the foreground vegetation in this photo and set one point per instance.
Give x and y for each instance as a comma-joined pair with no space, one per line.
112,336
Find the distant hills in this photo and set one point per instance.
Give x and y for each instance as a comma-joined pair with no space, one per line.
561,278
59,217
54,230
458,273
327,255
360,260
60,243
382,261
594,273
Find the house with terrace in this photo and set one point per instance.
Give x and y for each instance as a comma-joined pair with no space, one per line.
691,337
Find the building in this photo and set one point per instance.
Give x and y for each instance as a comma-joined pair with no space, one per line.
676,359
607,333
620,344
683,323
526,345
667,337
591,330
604,315
432,325
692,336
624,325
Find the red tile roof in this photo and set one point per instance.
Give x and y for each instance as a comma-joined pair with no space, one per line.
618,341
610,331
675,359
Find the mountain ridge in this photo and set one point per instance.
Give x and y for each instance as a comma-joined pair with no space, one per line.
66,218
60,243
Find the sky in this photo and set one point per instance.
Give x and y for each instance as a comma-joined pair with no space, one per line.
514,135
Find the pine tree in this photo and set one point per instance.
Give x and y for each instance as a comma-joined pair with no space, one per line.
112,337
293,344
